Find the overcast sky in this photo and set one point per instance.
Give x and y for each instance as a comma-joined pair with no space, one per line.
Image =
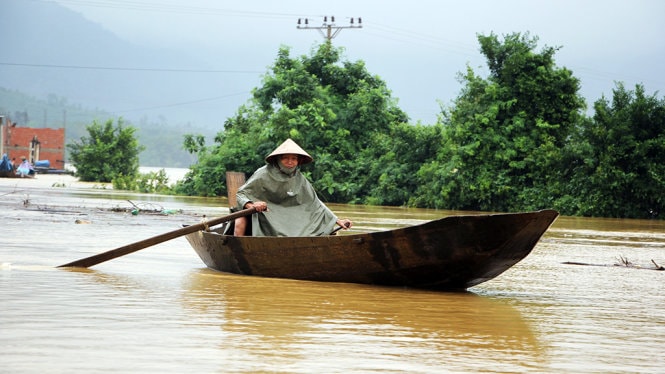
417,47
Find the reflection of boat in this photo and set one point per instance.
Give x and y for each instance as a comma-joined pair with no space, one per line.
279,317
452,253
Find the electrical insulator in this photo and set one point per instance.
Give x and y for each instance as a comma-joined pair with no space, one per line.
332,18
360,20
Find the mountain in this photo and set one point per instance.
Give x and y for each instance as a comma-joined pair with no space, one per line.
56,50
53,55
163,143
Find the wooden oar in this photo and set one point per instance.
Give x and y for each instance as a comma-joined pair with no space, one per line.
339,228
127,249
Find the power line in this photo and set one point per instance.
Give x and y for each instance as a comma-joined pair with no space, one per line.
121,68
183,103
160,6
428,40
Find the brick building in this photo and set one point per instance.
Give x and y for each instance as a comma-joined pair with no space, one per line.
35,144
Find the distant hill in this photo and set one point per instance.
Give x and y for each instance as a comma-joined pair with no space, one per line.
163,143
57,69
50,49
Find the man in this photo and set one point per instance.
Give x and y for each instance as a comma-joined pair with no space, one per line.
285,201
25,168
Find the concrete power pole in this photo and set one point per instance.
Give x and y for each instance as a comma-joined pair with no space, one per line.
329,30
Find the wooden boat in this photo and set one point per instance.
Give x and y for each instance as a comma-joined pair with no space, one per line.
452,253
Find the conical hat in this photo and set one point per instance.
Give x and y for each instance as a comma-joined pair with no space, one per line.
290,147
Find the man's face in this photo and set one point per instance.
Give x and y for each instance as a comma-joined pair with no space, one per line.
289,160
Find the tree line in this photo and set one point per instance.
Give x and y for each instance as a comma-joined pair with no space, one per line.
516,140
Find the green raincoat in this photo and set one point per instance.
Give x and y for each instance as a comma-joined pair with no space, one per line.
294,209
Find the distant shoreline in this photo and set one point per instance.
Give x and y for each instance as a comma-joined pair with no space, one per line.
70,181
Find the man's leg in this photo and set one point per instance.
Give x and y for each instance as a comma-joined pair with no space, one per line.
240,226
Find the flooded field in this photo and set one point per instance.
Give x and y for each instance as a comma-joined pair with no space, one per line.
160,310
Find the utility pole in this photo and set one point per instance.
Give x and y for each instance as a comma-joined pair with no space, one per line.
330,28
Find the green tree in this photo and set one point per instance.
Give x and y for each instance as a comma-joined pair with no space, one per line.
618,159
391,163
503,138
106,153
332,108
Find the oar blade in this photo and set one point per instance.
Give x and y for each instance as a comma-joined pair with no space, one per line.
133,247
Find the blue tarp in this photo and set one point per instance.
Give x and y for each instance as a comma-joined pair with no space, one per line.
43,163
6,165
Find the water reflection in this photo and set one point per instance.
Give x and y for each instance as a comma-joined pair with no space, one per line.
291,321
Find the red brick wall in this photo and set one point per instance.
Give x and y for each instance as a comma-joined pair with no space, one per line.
17,142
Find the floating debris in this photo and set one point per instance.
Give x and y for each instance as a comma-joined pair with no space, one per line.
145,208
622,262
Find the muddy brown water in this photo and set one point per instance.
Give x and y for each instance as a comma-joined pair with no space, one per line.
160,310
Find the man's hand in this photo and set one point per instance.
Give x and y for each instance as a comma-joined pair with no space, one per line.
260,206
345,223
